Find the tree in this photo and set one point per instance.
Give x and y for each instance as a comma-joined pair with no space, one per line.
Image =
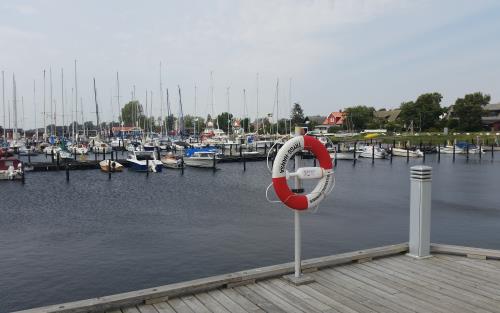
224,120
424,112
132,112
469,110
297,115
245,124
360,116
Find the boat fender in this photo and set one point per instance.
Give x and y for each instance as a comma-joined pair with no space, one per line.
325,173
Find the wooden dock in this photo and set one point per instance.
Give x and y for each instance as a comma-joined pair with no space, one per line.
385,279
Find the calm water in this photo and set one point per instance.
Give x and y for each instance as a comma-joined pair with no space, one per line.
92,237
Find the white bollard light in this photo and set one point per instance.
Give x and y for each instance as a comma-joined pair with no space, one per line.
420,211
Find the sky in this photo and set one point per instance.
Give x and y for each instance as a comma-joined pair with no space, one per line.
324,54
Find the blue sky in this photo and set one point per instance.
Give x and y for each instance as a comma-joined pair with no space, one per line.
337,53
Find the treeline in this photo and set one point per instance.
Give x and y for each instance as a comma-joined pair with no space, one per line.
426,113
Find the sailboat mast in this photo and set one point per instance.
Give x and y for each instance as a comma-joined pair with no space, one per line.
169,113
51,103
257,103
14,106
62,99
228,110
34,110
118,97
146,113
245,113
97,109
24,122
181,115
3,104
195,121
151,120
75,126
44,109
161,105
277,106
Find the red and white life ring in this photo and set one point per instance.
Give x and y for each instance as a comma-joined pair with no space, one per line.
287,196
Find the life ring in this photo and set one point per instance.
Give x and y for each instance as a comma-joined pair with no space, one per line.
279,173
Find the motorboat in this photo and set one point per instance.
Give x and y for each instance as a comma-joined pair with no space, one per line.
143,161
11,169
461,148
407,152
172,161
101,148
201,157
115,166
375,152
24,150
344,155
79,149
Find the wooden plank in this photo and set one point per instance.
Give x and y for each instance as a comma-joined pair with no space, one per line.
209,283
415,289
226,301
195,304
258,300
407,300
460,278
444,286
294,292
131,309
146,308
246,304
318,296
352,298
271,297
459,250
163,307
180,306
211,303
366,291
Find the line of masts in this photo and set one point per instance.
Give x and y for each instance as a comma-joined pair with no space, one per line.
165,124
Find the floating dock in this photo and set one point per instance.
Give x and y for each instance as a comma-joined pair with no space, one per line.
384,279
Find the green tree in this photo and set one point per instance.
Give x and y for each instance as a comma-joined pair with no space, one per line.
297,115
360,116
224,119
469,110
246,124
132,112
424,112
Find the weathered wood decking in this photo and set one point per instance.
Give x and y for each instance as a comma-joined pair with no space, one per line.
374,280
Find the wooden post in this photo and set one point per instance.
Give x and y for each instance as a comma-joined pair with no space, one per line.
407,154
52,155
109,169
23,178
492,147
265,148
244,162
373,154
480,151
67,172
354,154
182,165
439,152
241,152
58,160
158,153
103,154
214,165
467,151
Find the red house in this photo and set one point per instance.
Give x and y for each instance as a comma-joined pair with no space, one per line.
335,119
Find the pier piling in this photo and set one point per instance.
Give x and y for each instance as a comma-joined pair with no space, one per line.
354,154
439,152
182,165
373,154
67,172
147,167
420,211
214,164
109,169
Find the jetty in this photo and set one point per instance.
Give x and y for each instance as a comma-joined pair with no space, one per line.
414,276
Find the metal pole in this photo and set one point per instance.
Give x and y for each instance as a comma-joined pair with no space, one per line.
420,211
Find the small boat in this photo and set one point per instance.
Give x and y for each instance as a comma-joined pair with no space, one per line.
204,157
79,149
368,152
27,151
404,152
143,161
10,169
115,166
51,149
461,148
172,161
343,155
101,147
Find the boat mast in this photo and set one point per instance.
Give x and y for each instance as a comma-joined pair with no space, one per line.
24,121
245,109
290,101
34,109
228,109
169,112
3,104
181,114
257,104
51,103
161,105
145,125
195,121
97,110
14,106
44,109
277,106
118,98
62,99
75,125
151,121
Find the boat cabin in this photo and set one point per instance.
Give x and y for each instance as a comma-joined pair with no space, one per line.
6,163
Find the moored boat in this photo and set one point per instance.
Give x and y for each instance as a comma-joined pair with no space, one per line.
368,152
143,161
172,161
10,169
115,166
407,152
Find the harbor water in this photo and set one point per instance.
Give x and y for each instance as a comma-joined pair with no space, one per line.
64,241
